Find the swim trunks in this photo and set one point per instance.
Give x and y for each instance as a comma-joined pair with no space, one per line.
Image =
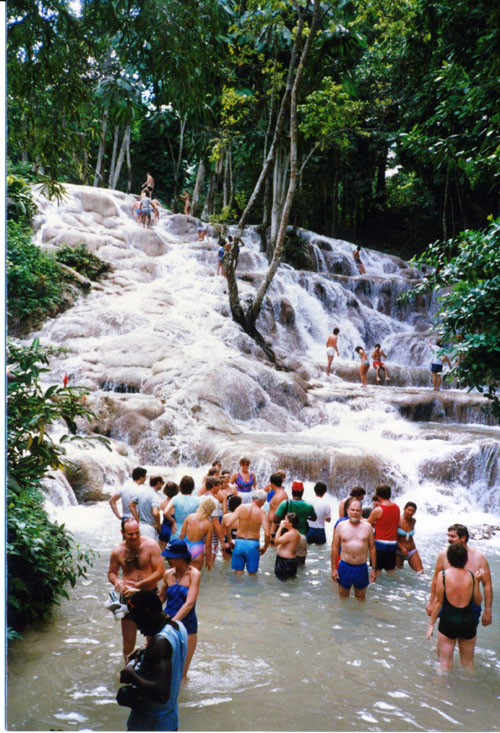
356,575
285,567
246,552
330,351
386,555
316,536
165,531
436,368
456,622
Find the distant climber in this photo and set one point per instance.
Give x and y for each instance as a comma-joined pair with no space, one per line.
365,364
438,359
187,203
377,355
331,348
357,260
148,184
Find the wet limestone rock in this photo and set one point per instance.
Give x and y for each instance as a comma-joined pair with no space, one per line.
86,478
95,200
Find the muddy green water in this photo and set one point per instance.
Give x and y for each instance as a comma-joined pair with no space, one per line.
270,656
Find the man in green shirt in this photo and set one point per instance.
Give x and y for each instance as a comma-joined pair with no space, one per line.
303,510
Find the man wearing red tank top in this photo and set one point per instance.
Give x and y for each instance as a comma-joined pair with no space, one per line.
385,518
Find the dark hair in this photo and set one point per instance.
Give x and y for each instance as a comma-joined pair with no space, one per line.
170,489
320,488
411,503
233,502
216,463
155,480
457,555
212,471
125,520
276,479
225,472
377,346
375,497
138,473
336,330
186,484
461,531
212,482
383,491
293,518
357,491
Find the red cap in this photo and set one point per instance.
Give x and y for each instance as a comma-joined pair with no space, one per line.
297,486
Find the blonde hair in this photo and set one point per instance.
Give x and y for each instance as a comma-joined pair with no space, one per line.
206,507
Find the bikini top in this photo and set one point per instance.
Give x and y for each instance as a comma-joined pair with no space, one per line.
407,534
242,485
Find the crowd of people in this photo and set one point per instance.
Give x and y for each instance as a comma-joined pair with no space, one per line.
161,521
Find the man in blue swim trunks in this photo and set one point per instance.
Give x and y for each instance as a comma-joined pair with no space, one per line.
356,536
249,518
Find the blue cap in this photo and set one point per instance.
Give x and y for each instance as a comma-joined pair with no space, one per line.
177,549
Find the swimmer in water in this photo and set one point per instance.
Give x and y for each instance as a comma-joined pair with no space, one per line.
406,545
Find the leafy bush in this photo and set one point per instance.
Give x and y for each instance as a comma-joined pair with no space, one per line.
468,269
33,277
83,261
20,204
41,561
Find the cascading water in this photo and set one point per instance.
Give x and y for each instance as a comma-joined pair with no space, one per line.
174,382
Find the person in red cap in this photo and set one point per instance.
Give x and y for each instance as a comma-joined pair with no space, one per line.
303,510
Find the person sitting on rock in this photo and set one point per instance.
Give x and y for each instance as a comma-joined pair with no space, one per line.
377,355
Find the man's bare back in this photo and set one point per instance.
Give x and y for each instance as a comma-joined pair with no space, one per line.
250,519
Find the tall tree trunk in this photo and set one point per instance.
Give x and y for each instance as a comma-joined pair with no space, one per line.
129,164
179,159
200,176
121,156
98,177
445,203
113,156
248,319
280,172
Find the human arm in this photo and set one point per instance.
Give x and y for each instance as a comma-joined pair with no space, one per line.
157,664
437,570
488,592
267,533
436,605
279,538
113,570
184,527
162,593
113,504
208,546
335,554
133,508
341,508
373,557
374,515
155,510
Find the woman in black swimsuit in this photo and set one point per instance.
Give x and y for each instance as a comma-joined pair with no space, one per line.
456,592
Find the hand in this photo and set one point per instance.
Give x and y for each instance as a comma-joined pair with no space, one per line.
262,550
373,575
430,630
127,676
428,608
335,574
486,620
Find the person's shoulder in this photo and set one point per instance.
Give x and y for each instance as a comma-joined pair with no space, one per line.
149,544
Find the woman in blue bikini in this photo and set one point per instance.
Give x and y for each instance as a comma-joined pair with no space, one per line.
245,481
197,533
406,545
181,584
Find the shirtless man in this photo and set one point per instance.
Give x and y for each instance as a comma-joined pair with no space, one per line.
250,519
475,561
148,184
357,541
141,564
331,348
275,484
377,355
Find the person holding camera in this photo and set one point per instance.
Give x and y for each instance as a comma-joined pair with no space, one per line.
152,678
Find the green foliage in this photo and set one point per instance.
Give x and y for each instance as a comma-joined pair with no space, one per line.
41,561
468,269
20,201
296,252
34,278
83,261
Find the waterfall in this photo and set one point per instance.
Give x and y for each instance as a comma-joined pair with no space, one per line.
173,380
